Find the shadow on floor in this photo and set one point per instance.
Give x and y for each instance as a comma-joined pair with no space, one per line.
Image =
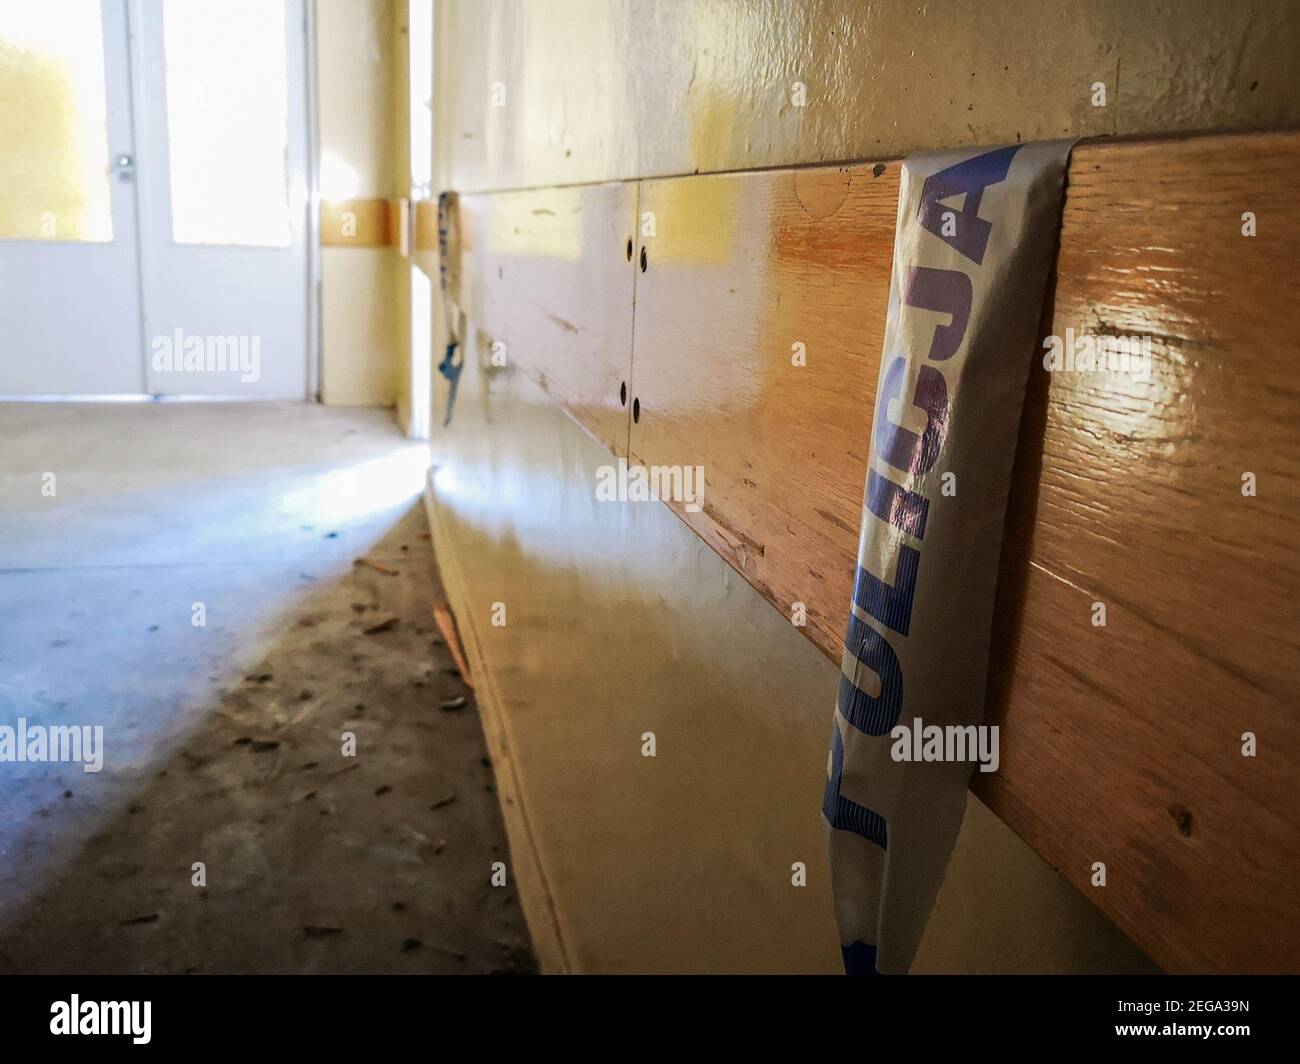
313,861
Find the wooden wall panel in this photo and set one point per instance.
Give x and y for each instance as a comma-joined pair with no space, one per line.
1124,744
363,223
548,273
1120,744
742,270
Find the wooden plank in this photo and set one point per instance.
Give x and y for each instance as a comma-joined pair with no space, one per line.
547,274
363,223
426,225
526,865
425,250
742,269
1120,744
1126,742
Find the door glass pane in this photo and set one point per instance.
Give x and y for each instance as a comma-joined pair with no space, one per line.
54,182
227,121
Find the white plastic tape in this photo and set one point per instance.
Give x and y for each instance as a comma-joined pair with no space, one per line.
972,250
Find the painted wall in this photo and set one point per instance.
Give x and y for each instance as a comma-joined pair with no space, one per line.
597,90
619,619
362,142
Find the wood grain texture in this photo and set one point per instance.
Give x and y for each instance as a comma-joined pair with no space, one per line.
744,267
1124,743
1120,744
547,274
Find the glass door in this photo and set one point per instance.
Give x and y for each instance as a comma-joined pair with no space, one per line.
69,273
224,195
153,198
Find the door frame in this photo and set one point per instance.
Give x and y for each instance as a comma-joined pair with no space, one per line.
426,297
314,326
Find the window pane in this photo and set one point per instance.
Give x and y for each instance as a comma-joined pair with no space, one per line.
227,121
53,123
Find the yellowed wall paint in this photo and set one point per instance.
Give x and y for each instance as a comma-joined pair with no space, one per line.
360,86
360,325
355,58
575,91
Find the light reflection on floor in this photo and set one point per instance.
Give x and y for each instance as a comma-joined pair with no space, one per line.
243,508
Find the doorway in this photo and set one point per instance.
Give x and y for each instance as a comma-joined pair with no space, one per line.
154,198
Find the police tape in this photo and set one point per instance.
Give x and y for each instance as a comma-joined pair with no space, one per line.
972,251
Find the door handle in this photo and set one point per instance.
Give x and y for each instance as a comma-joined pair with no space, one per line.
124,167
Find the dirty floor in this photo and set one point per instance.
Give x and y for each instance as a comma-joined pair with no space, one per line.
241,596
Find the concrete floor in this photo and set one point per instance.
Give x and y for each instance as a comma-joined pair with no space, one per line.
223,742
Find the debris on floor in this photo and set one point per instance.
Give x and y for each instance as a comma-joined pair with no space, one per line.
313,791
